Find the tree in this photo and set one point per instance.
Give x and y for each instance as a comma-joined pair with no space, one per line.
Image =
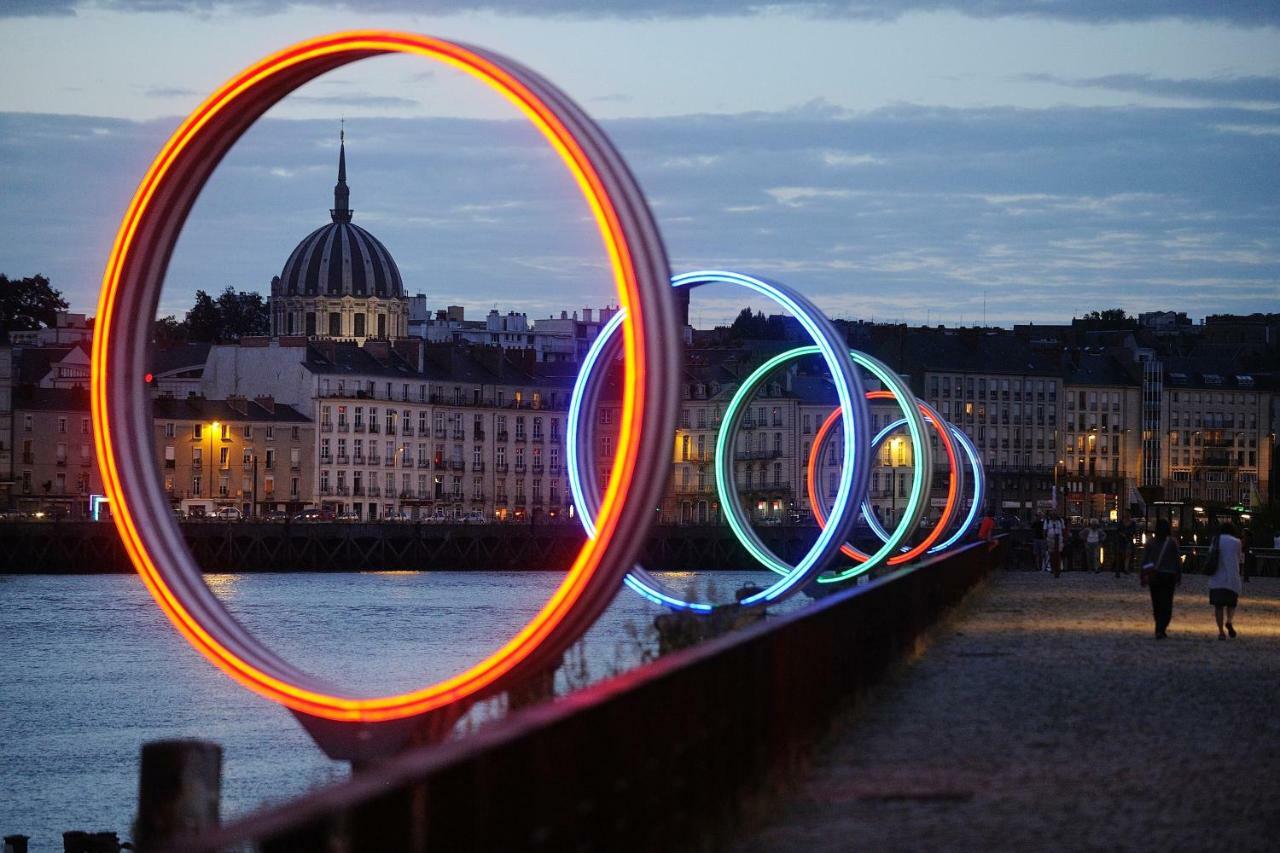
242,314
204,320
169,332
1110,314
28,303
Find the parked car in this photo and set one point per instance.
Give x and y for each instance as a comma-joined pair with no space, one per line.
770,521
475,518
179,514
315,514
229,513
349,516
276,515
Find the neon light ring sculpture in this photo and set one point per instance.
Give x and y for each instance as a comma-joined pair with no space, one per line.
346,724
854,475
726,482
977,478
909,522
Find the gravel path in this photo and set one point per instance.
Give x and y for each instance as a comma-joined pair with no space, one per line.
1046,717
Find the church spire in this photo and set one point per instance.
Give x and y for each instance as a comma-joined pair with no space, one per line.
341,211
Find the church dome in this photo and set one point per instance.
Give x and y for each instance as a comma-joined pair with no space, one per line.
340,259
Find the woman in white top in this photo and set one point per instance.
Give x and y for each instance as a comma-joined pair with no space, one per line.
1224,584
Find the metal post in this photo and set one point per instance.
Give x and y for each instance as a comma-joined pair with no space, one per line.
254,508
179,788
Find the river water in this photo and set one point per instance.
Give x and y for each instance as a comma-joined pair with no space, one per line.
90,669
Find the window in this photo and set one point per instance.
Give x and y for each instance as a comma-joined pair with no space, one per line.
224,457
62,425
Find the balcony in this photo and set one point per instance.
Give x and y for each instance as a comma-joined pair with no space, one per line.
357,427
521,437
407,430
538,469
407,462
326,427
374,460
538,437
500,467
391,430
324,460
459,435
29,459
340,490
374,428
537,500
555,438
61,463
424,463
343,459
169,464
499,498
477,467
520,467
750,455
748,423
374,491
343,426
357,491
477,435
441,432
457,465
502,435
358,459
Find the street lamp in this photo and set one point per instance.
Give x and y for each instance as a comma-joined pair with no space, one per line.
213,429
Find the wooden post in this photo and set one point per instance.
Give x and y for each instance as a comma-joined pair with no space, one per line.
90,842
178,791
16,843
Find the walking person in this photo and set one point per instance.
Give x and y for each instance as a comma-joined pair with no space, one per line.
1123,552
1161,573
1038,553
1093,536
1054,534
987,529
1225,559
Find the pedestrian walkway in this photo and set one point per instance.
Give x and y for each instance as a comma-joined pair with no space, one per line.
1046,717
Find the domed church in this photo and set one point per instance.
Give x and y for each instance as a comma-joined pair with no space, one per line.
340,282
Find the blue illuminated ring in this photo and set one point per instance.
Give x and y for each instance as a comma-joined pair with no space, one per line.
855,471
939,423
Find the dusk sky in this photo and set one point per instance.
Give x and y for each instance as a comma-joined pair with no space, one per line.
895,160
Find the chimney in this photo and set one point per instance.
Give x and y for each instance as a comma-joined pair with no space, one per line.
381,350
586,315
411,350
238,404
267,402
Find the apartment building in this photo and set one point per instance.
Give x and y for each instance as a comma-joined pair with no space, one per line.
254,455
1220,438
55,471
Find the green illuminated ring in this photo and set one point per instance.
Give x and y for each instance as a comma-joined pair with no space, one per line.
726,475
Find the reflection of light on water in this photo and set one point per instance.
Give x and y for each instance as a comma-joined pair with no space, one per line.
393,573
222,585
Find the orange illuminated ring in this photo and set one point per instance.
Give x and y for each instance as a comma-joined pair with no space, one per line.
948,512
122,414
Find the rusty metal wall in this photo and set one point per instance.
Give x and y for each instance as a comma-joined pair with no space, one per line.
677,755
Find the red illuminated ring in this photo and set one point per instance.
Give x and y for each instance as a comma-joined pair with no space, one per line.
948,512
122,413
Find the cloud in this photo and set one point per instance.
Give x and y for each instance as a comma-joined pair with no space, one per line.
1048,212
170,92
356,99
1247,14
1255,89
